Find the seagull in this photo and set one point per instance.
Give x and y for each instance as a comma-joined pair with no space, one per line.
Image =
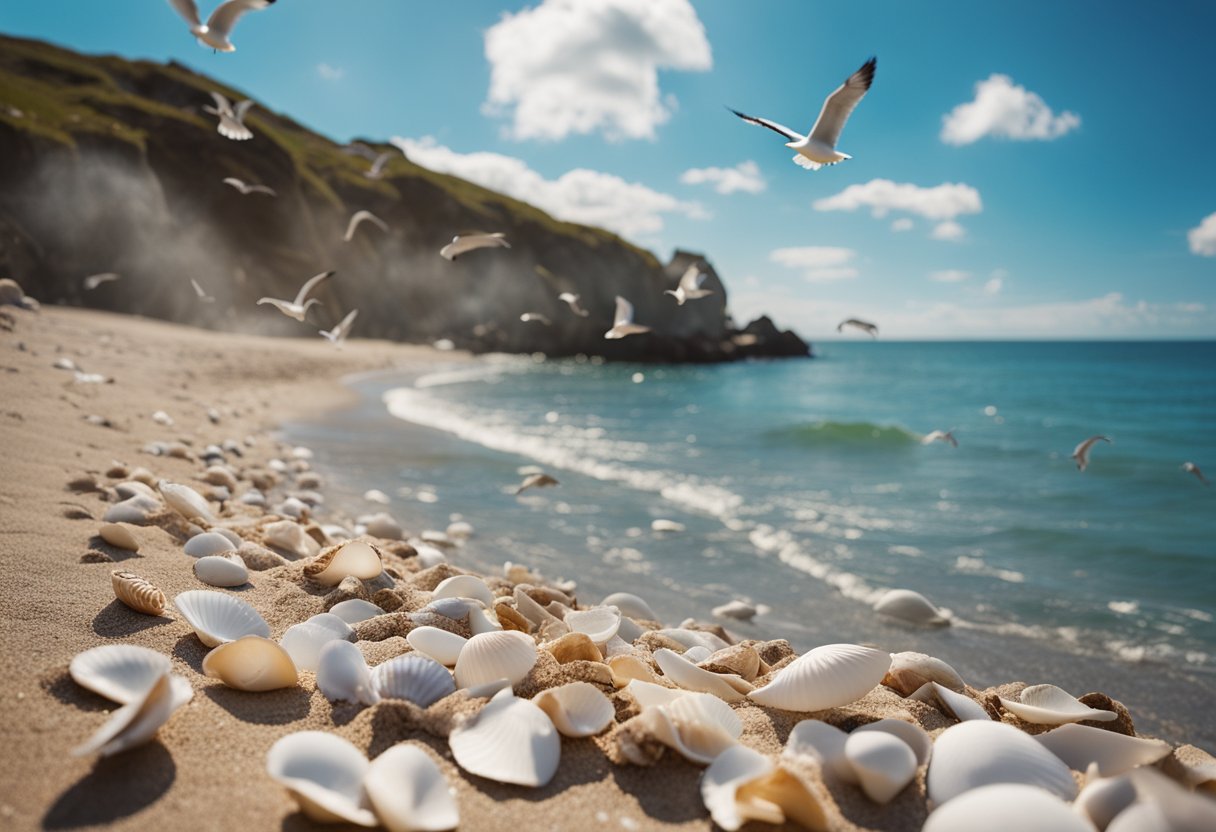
535,481
219,26
462,243
232,119
361,216
819,148
298,308
1192,468
377,169
690,285
939,436
622,321
198,290
571,300
94,280
1081,452
249,189
865,326
529,317
339,333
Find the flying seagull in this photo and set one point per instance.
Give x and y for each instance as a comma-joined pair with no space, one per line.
249,189
94,280
339,333
377,169
232,119
463,243
298,308
1192,468
819,148
865,326
690,286
939,436
622,321
535,481
1081,452
219,26
359,217
535,317
571,300
198,290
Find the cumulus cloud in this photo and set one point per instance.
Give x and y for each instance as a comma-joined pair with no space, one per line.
631,209
882,196
948,230
950,276
819,264
568,66
330,73
744,176
1007,111
1203,237
902,224
996,282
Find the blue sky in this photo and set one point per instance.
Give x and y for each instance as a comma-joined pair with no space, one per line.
1067,197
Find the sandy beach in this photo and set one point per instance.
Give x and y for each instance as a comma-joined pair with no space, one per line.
69,438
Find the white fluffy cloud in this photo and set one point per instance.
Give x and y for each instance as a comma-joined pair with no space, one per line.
570,66
1203,237
948,230
819,264
940,203
950,276
585,196
329,72
902,224
1007,111
744,176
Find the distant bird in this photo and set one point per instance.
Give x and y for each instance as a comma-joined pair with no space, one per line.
360,217
338,334
1192,468
622,321
463,243
249,189
571,300
819,148
535,481
198,290
219,26
865,326
377,169
298,308
939,436
535,317
690,285
94,280
232,119
1081,452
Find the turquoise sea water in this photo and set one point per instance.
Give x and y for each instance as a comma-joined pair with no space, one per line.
803,486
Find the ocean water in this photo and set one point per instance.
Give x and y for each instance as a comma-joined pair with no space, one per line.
803,486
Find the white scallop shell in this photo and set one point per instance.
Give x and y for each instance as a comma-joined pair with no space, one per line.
138,721
578,709
351,557
720,785
1050,705
823,744
697,725
692,638
1102,798
464,586
409,792
121,672
1006,807
826,677
910,607
251,663
218,618
915,736
630,605
1080,745
687,675
973,754
324,773
303,641
884,763
290,536
218,570
910,670
510,740
186,501
507,654
958,705
599,624
440,645
207,544
354,610
118,535
421,680
343,674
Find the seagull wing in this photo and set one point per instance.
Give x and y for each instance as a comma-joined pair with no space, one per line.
188,10
692,278
360,216
771,125
236,183
378,164
263,189
343,328
624,312
838,106
312,283
198,290
238,112
226,14
283,306
221,103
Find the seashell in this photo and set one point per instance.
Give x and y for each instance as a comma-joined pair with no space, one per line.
351,557
409,792
741,659
1080,745
436,537
481,621
510,619
440,645
697,654
574,647
1102,798
826,677
1006,807
1163,804
911,608
697,725
294,508
1050,705
220,570
135,510
630,605
974,754
382,525
325,774
690,677
429,556
692,638
138,720
598,624
628,668
219,475
577,709
823,744
738,610
651,695
460,530
218,618
118,535
137,593
251,663
419,679
354,610
185,501
289,536
453,608
343,674
208,544
488,690
884,763
911,670
628,631
303,641
121,672
375,495
531,610
253,497
486,657
511,741
720,785
958,705
233,538
133,488
915,736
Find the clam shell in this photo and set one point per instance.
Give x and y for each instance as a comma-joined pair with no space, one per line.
910,607
218,570
416,678
440,645
409,792
511,740
121,672
884,763
692,638
382,525
1006,807
598,624
343,674
910,670
628,668
137,593
826,677
186,501
958,705
354,610
118,535
823,744
577,709
697,725
687,675
630,605
252,663
1102,798
973,754
351,557
464,586
720,785
1050,705
303,641
208,544
218,618
138,721
325,774
486,657
915,736
135,510
1080,745
290,536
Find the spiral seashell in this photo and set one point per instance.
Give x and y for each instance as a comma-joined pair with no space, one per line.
121,672
578,709
351,557
1006,807
972,754
118,535
218,618
185,501
1080,745
208,544
911,608
138,721
687,675
1050,705
325,774
416,678
464,586
221,570
251,663
137,593
487,657
409,792
826,677
511,741
883,762
742,785
440,645
304,641
343,674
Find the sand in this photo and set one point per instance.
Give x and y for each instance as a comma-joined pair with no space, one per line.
206,768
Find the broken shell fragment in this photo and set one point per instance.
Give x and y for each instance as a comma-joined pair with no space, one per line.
627,668
958,705
687,675
1080,745
351,557
138,721
630,605
577,709
826,677
415,678
221,570
916,737
598,624
742,785
325,774
251,663
575,647
1050,705
911,670
510,740
409,792
119,535
137,593
218,618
